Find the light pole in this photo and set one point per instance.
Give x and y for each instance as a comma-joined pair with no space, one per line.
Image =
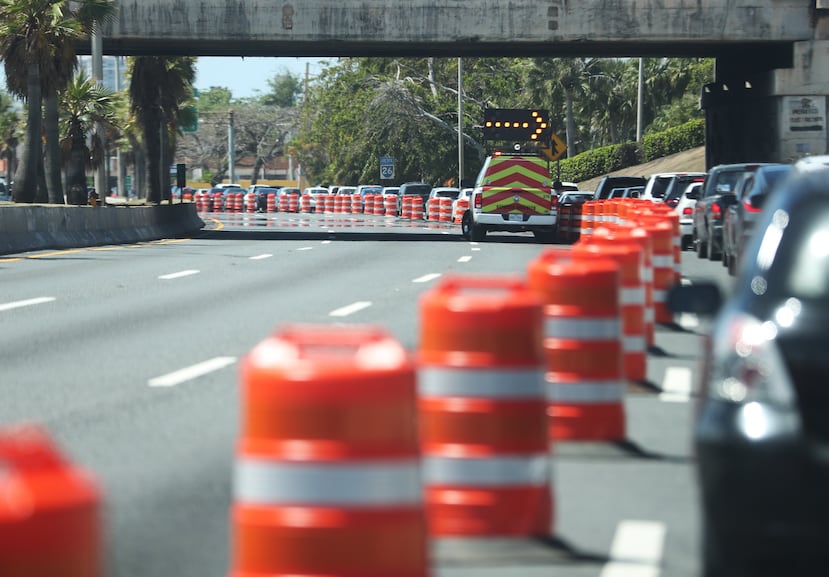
98,75
640,107
460,122
231,147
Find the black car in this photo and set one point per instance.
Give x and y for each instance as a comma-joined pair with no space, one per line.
762,430
740,216
608,183
716,195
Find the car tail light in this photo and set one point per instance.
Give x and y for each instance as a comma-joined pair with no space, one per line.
748,207
716,211
672,202
745,363
687,211
553,202
478,203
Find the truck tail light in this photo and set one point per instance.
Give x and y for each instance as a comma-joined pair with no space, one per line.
716,211
478,200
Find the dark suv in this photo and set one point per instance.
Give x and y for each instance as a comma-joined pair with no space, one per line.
716,195
414,189
608,183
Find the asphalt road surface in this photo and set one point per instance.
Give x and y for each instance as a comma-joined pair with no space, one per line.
129,355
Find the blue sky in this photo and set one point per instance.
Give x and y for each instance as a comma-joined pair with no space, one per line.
247,76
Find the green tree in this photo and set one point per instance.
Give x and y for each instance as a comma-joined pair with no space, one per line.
159,87
37,39
84,103
285,90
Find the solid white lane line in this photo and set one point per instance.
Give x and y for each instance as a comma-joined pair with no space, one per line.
261,256
190,373
427,277
465,259
676,385
636,550
178,274
350,309
25,303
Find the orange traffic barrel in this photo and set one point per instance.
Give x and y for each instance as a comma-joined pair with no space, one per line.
50,517
485,449
327,475
293,202
356,204
588,218
417,208
406,207
271,201
445,209
582,344
390,204
461,206
664,275
628,253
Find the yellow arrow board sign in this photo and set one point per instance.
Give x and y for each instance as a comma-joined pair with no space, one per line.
557,148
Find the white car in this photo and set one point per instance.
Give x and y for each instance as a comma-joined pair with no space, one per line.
657,186
314,193
685,209
442,192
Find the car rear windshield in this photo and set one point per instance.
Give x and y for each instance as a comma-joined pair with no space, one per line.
448,193
419,189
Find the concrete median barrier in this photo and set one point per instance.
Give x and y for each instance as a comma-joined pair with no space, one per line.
39,227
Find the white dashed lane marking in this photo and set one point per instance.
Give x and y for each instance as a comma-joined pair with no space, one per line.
636,550
676,386
25,303
465,259
261,257
350,309
179,274
426,277
192,372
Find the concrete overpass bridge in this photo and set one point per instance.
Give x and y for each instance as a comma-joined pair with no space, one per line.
772,55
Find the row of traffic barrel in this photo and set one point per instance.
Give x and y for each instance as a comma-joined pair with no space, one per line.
408,207
354,453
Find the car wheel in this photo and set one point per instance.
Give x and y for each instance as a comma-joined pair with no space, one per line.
477,232
545,236
466,225
702,248
713,254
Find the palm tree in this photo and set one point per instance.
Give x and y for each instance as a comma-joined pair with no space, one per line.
37,43
158,88
84,103
10,126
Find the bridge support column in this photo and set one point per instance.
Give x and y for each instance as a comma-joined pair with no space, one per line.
800,94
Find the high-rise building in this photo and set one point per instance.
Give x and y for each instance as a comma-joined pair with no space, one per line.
111,64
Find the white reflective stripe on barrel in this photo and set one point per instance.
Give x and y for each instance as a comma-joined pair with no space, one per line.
663,261
487,472
365,483
647,274
480,383
585,392
582,329
634,344
650,314
660,296
632,296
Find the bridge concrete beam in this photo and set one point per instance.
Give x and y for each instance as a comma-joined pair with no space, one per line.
451,27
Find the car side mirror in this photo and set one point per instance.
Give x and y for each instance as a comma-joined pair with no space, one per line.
702,299
693,194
